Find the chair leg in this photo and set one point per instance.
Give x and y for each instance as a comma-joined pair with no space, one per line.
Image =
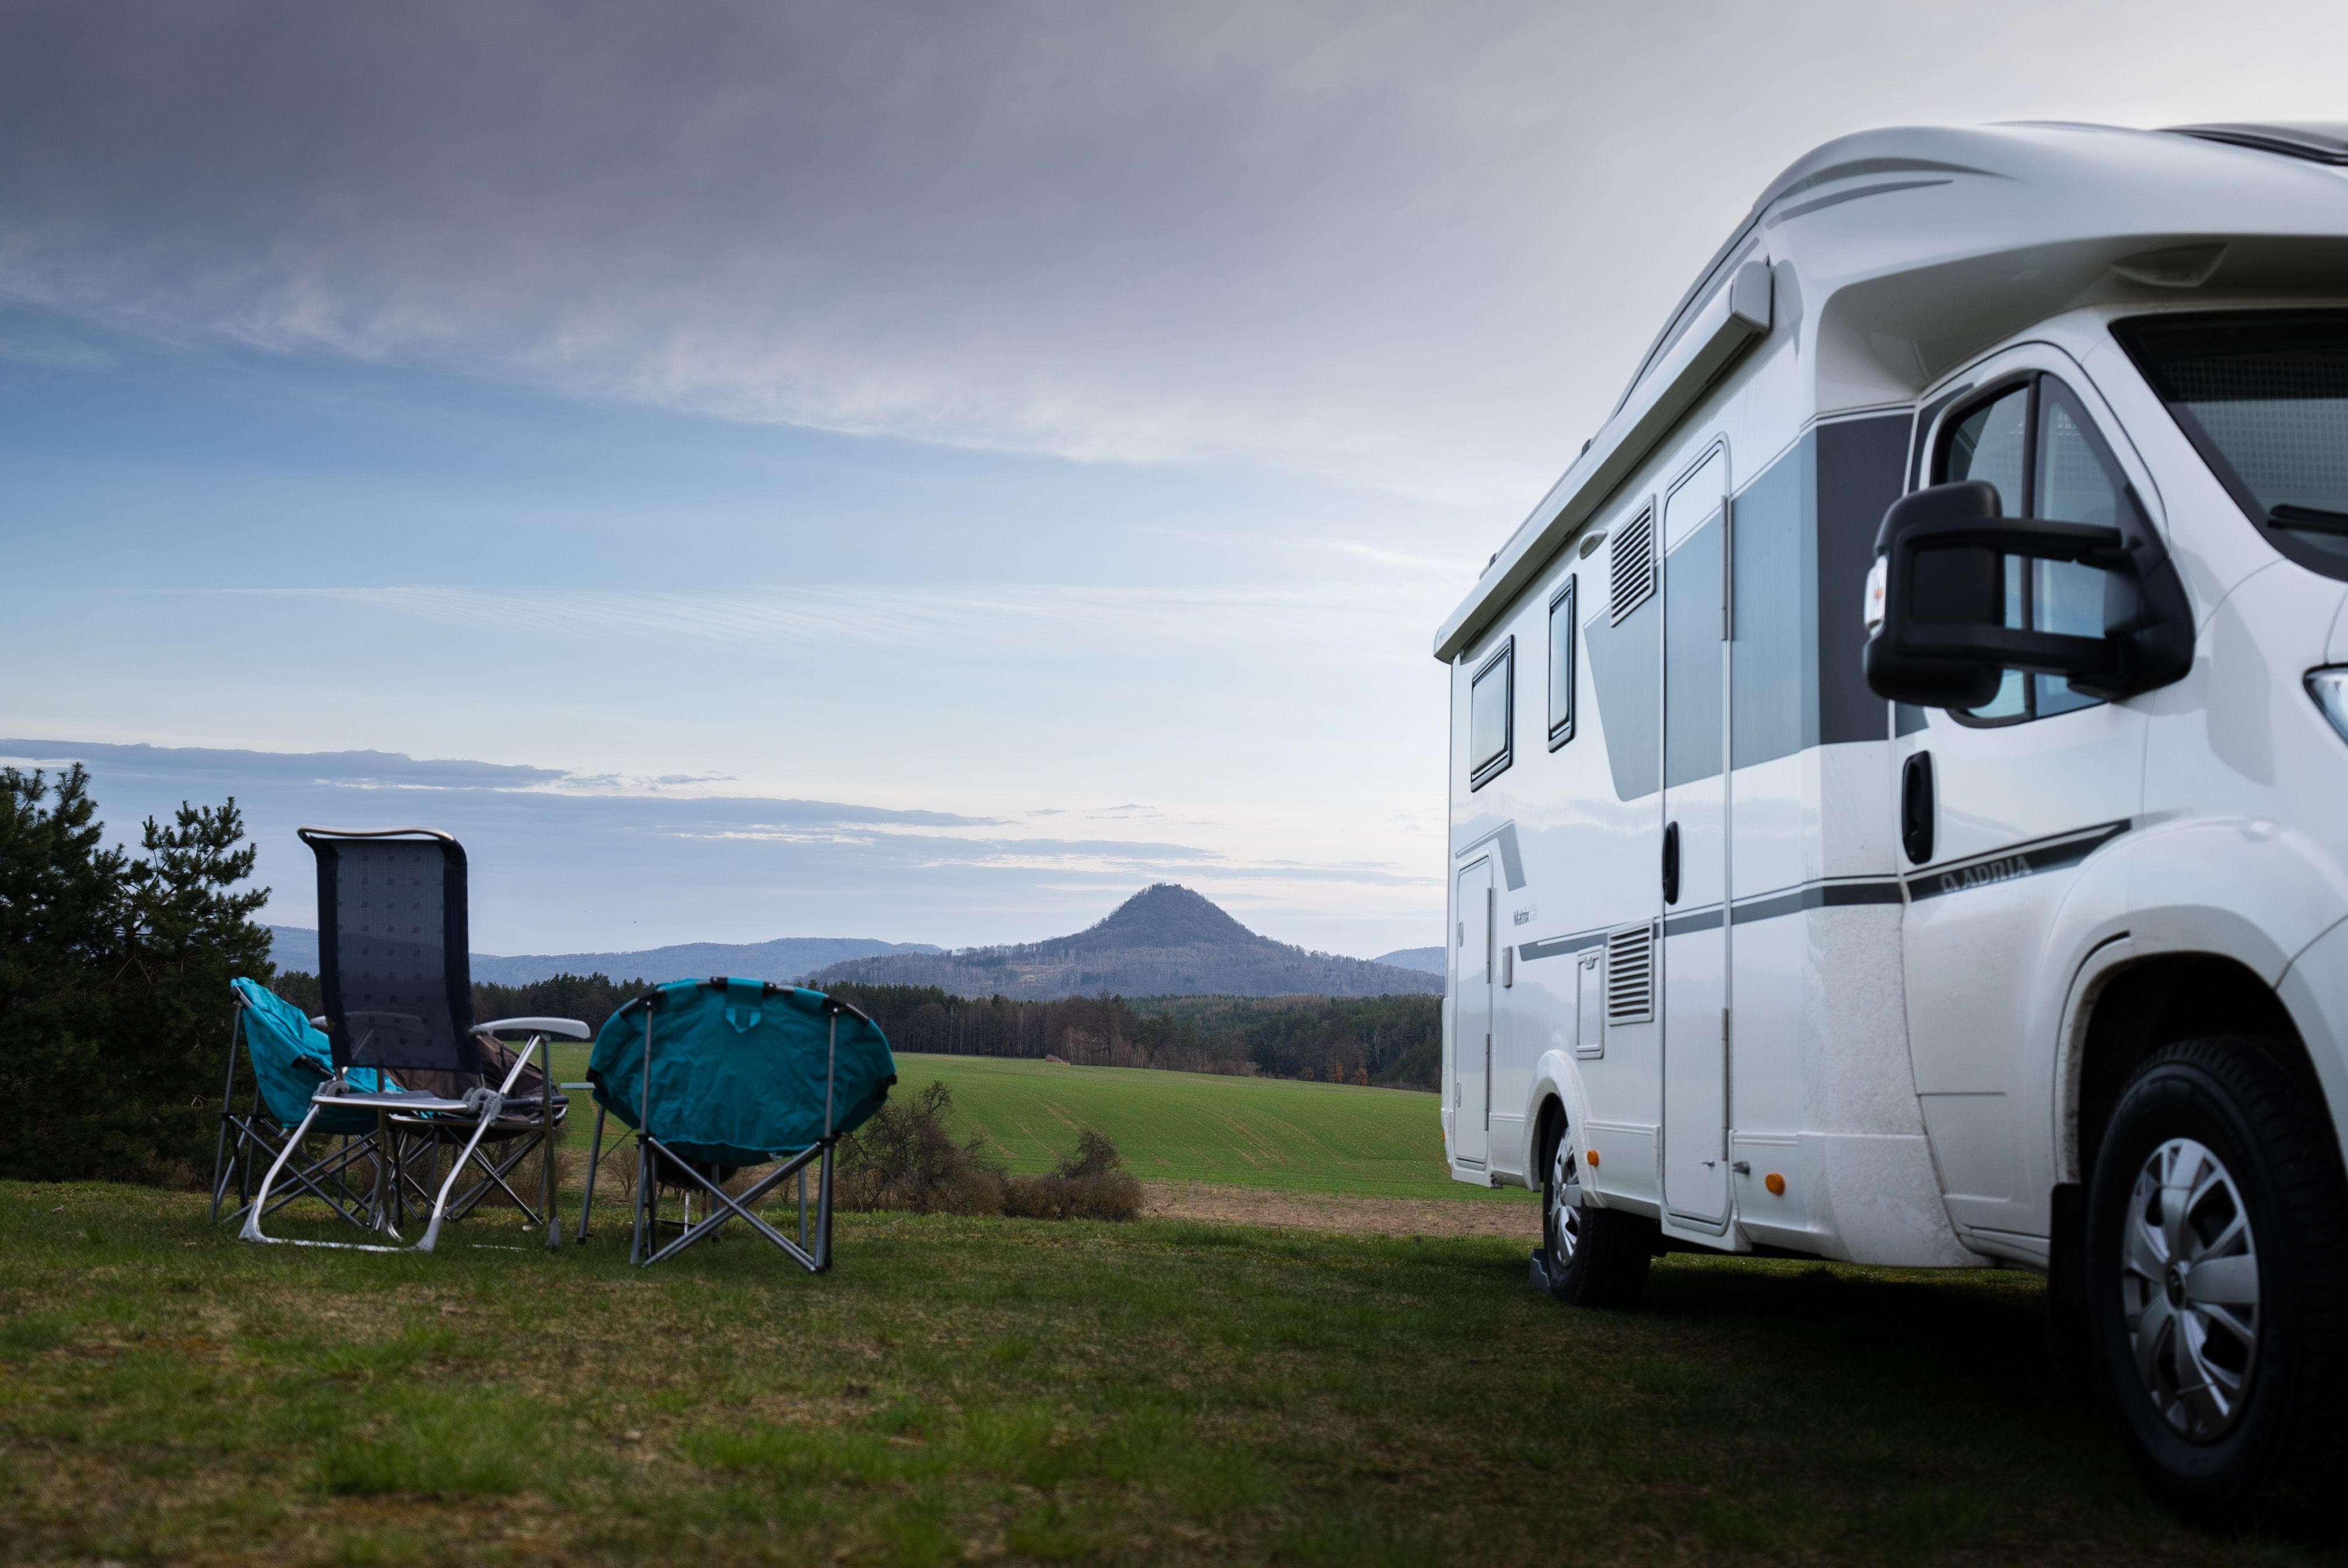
594,1153
636,1247
227,1097
260,1205
823,1211
488,1114
548,1187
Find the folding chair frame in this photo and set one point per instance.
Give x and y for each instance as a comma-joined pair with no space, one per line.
479,1110
252,1140
811,1253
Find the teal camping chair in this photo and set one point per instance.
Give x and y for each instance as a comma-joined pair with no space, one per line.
716,1076
290,1058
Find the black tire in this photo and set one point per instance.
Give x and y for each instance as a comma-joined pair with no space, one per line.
2219,1158
1594,1257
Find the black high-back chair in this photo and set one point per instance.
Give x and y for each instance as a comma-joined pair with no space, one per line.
395,982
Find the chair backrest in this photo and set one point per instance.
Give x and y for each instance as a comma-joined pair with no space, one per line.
739,1071
290,1057
393,970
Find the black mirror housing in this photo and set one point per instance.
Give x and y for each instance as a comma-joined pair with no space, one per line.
1942,640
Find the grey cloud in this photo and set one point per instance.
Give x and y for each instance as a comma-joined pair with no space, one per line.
1418,244
345,768
1358,237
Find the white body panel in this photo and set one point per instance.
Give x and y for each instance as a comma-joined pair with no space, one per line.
1898,1045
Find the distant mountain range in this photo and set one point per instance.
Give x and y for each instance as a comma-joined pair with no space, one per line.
787,958
1163,941
1428,958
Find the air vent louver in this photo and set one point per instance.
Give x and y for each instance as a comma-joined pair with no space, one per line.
1631,570
1630,976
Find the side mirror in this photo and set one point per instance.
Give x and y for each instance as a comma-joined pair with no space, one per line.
1937,604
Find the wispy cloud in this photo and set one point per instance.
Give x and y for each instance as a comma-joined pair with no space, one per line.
557,868
1025,619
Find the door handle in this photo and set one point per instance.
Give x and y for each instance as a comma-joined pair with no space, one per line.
1916,810
1671,862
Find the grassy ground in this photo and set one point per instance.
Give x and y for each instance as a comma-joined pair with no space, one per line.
1021,1390
1275,1134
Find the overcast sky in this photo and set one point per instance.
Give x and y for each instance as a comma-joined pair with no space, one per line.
1065,423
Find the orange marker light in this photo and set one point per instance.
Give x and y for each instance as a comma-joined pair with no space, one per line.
1776,1183
1593,1157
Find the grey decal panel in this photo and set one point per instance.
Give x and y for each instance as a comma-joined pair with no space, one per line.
1860,466
1557,946
2020,860
1818,895
1840,894
1512,859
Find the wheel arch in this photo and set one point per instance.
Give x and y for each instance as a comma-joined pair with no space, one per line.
2127,1005
1558,1095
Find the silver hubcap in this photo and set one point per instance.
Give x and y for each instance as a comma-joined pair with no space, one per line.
2189,1288
1564,1204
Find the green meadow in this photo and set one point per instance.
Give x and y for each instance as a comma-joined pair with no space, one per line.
1277,1133
1021,1391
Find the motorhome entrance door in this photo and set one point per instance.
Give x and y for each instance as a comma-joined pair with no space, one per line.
1694,851
1471,1018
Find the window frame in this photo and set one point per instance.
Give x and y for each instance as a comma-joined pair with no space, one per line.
1954,412
1480,776
1564,602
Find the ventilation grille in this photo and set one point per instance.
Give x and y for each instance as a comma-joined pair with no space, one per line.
1633,568
1630,976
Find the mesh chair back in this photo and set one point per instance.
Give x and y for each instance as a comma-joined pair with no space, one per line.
393,971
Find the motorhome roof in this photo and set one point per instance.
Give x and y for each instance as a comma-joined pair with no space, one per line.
1910,225
2325,143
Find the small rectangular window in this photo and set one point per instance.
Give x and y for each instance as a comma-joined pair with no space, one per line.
1561,666
1491,709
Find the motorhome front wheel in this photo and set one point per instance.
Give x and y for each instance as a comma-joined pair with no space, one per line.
2218,1259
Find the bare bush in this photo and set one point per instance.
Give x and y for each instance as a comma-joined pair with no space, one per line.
1090,1184
907,1158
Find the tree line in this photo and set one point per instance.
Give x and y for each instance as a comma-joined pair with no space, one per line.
1395,1042
1392,1041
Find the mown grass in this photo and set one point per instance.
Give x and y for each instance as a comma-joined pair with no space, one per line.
1025,1391
1275,1134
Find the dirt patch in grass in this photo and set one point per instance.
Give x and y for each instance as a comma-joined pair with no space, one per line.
1339,1214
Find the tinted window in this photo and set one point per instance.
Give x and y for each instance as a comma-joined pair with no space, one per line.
1989,444
1488,726
1692,654
2078,483
1773,649
2264,398
2035,443
1561,666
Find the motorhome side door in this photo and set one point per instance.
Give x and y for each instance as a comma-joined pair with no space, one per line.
1471,1037
2002,809
1693,859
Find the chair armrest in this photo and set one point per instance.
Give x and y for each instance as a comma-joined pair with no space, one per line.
561,1028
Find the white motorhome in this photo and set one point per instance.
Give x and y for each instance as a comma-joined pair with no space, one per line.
1899,773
